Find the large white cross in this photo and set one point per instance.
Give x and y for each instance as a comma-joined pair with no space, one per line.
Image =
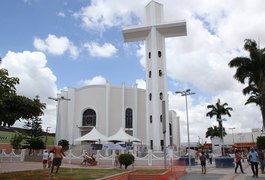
154,33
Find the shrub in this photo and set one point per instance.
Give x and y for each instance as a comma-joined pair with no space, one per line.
16,140
36,143
126,159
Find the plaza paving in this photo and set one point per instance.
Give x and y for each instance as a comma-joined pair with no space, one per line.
220,173
193,173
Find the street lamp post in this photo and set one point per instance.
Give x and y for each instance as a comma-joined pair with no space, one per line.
58,99
47,130
187,93
232,128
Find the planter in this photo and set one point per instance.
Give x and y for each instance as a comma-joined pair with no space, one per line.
185,159
224,162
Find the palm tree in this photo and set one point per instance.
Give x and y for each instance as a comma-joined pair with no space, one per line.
214,132
252,70
218,110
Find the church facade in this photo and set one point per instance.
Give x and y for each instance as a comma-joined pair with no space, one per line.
108,108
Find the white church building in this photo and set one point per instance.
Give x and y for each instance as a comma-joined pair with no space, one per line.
139,112
108,108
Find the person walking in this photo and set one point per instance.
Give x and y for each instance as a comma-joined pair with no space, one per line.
238,161
261,160
50,159
45,157
58,155
253,159
203,162
211,158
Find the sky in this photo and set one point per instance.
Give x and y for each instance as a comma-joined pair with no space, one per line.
54,44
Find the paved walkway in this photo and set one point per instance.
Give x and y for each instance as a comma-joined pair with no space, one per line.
193,173
220,173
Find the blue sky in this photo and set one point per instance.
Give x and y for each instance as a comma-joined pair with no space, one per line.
54,44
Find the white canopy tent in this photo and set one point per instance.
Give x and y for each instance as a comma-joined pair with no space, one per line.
122,136
93,135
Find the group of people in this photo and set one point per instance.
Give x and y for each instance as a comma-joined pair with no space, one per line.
255,158
91,160
47,158
53,158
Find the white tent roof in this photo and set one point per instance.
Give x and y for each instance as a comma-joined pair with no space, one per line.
93,135
121,135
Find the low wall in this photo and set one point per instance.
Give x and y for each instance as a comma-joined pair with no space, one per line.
103,159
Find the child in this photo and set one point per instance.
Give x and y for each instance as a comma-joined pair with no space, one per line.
45,158
50,158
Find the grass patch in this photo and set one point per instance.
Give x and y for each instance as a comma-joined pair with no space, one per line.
6,136
64,173
150,171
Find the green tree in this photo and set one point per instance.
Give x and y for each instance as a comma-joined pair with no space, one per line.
34,133
219,110
16,140
251,70
14,107
36,143
34,127
261,142
214,132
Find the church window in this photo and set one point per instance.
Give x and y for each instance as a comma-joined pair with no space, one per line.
151,118
149,55
128,118
170,129
161,118
89,118
161,96
160,72
151,144
150,96
159,54
150,74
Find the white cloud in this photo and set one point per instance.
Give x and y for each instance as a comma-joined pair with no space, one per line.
56,45
61,14
216,34
94,81
35,79
101,14
106,50
141,83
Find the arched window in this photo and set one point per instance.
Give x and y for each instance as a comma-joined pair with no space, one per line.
159,54
161,118
161,96
160,73
150,74
89,118
150,96
149,55
128,118
151,118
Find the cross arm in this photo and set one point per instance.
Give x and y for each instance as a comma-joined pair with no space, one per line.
172,29
138,33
